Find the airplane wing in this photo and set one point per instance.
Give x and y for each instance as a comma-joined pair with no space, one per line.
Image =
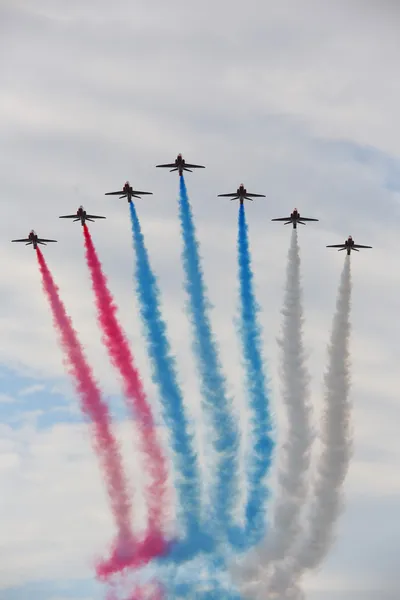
256,195
360,246
142,193
115,193
337,246
282,219
94,217
21,240
45,240
188,165
75,216
169,166
228,195
307,219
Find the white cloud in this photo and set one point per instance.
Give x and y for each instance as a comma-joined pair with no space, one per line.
32,389
68,598
57,520
6,399
284,100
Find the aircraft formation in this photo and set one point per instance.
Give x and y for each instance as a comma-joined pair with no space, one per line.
181,165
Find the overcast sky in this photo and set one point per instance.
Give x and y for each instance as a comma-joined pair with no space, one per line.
301,105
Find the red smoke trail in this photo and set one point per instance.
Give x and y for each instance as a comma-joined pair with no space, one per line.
93,406
150,591
121,357
147,592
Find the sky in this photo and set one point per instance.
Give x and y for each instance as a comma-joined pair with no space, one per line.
301,104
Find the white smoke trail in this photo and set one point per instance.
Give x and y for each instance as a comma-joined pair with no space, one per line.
335,455
292,476
261,571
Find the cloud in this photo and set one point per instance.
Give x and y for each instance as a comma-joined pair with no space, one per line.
56,520
301,106
32,389
6,399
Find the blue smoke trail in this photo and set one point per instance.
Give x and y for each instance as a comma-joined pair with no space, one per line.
256,385
165,377
216,593
206,578
213,384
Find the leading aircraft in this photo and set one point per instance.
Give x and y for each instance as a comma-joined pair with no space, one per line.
129,193
34,240
294,218
348,245
180,165
82,216
241,194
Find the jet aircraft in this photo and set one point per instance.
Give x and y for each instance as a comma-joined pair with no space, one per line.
294,218
241,194
348,245
129,193
180,165
82,216
34,239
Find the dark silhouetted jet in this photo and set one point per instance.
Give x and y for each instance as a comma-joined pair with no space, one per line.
180,165
294,218
82,216
34,240
241,194
348,245
128,192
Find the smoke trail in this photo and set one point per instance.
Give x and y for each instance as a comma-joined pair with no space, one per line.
165,377
296,451
118,349
262,444
213,385
336,448
296,393
93,406
150,591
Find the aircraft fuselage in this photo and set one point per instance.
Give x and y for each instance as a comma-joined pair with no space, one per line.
128,191
81,214
34,241
349,243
